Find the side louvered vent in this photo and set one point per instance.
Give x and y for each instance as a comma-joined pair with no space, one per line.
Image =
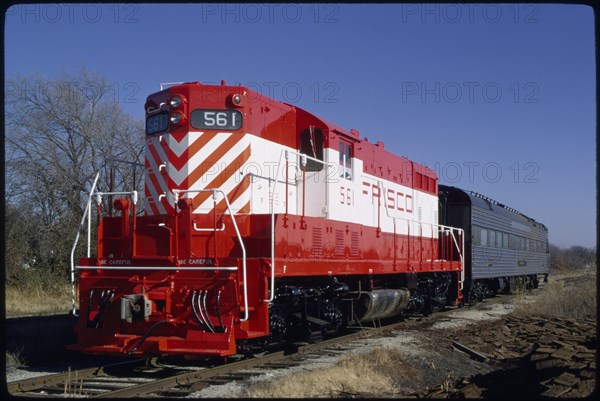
339,242
317,242
354,242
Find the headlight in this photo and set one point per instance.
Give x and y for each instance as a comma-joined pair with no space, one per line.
175,102
175,118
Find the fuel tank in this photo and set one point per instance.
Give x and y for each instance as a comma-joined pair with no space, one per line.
382,304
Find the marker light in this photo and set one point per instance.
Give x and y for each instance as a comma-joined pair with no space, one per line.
236,100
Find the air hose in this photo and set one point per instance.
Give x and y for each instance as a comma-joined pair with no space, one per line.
145,336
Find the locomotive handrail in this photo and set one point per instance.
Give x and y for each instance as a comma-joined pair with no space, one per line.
133,194
222,228
440,228
129,267
214,191
86,213
283,152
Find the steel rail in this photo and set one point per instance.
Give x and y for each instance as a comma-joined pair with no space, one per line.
23,386
206,374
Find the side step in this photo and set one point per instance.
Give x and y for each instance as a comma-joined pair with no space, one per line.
316,327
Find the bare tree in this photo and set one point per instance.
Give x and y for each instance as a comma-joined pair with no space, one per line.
59,134
575,257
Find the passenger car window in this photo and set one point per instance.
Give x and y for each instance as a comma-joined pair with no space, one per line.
476,235
492,238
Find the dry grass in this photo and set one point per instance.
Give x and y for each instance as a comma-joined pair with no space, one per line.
384,373
564,299
37,298
373,373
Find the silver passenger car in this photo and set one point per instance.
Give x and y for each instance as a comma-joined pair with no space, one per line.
504,248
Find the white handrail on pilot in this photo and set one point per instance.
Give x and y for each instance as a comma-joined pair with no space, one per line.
133,194
176,193
86,213
276,180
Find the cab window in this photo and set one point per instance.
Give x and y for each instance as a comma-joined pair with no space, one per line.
311,144
345,160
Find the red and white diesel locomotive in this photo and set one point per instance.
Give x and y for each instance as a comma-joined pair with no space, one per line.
264,223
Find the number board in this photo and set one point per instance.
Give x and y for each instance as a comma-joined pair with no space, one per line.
216,119
157,123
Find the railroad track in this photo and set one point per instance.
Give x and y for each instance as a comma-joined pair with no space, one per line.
150,377
143,377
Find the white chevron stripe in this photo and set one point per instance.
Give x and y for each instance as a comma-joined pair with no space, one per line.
159,150
221,165
159,177
179,147
226,187
179,175
161,208
241,201
155,168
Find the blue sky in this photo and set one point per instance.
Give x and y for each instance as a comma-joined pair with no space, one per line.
497,98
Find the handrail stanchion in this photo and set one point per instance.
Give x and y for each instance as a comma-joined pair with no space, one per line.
89,230
287,181
303,163
462,258
304,158
86,213
237,231
272,207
